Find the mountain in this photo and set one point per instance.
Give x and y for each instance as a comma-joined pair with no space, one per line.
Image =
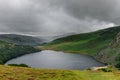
21,39
111,53
85,43
11,50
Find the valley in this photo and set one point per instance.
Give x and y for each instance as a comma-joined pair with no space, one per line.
94,44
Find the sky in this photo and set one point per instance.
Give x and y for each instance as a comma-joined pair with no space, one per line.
57,17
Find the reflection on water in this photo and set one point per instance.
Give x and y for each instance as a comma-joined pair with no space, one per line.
56,60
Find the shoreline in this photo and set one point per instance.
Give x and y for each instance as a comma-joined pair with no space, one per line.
69,53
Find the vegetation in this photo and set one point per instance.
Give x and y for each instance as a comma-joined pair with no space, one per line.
20,73
111,54
18,65
86,43
10,50
109,69
21,39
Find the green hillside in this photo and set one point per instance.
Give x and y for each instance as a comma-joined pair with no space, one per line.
111,53
21,39
19,73
86,43
11,50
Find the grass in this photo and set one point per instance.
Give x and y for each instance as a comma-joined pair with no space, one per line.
19,73
86,43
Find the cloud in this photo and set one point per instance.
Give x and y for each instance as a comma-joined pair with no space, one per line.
96,9
52,17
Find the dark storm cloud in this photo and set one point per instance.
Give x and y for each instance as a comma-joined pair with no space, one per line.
49,17
96,9
18,17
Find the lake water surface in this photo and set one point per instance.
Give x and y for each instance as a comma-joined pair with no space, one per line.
56,60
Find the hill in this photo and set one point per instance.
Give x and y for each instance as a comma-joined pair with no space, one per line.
11,50
85,43
19,73
111,53
21,39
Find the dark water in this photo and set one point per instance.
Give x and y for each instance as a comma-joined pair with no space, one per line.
56,60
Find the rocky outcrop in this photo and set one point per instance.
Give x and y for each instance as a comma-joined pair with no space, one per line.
116,42
110,54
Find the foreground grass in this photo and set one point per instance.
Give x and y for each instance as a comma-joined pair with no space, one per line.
87,43
19,73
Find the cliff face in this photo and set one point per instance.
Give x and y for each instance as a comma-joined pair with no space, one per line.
111,54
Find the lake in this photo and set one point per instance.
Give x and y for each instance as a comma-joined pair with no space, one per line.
56,60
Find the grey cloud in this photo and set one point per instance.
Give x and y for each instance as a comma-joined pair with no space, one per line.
96,9
51,17
22,20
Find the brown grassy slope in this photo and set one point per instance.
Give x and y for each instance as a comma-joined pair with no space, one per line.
19,73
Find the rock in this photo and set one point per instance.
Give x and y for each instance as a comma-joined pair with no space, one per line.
111,53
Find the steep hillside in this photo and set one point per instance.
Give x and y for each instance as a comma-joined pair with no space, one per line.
10,50
20,39
111,54
86,43
19,73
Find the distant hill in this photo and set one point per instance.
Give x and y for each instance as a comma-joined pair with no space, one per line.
13,45
85,43
20,39
49,38
10,50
